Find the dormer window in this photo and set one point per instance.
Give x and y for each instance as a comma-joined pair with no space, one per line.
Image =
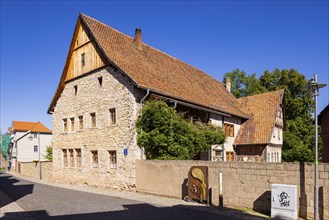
83,63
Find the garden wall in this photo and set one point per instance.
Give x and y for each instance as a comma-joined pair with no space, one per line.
32,169
244,184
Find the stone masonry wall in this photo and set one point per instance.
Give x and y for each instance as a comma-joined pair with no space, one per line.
117,91
32,169
244,184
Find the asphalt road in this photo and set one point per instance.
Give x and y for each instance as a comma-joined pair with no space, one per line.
50,202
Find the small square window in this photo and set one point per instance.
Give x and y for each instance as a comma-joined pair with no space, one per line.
35,135
35,148
113,159
229,129
93,119
112,119
100,81
94,158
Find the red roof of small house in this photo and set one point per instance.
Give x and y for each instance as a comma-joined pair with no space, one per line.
262,110
29,126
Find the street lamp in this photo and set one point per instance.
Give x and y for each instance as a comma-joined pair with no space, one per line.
312,88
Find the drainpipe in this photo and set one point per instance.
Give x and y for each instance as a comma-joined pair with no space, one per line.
141,103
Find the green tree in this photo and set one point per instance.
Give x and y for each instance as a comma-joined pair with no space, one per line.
49,153
166,135
243,85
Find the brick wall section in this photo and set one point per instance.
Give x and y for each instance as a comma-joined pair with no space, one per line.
244,184
32,169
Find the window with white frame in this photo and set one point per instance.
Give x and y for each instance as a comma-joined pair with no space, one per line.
35,148
112,159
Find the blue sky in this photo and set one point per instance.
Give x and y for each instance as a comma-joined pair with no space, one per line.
214,36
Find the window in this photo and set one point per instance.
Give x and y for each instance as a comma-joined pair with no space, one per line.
71,158
65,125
230,156
75,90
65,159
93,119
277,157
35,148
113,159
279,134
268,157
229,129
112,120
80,122
72,124
218,153
78,157
83,63
94,159
35,135
100,81
272,158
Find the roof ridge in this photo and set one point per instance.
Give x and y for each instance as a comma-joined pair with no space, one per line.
147,45
260,94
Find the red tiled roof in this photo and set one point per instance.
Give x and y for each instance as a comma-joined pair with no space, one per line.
262,110
152,69
29,126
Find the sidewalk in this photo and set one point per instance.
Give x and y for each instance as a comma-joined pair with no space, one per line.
146,198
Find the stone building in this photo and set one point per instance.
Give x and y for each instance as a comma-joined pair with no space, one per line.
106,79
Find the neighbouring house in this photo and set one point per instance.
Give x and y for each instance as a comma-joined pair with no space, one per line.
106,79
29,143
324,122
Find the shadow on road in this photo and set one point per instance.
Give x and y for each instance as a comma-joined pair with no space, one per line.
10,186
137,212
16,190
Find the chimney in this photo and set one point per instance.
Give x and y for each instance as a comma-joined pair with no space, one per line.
228,84
138,38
